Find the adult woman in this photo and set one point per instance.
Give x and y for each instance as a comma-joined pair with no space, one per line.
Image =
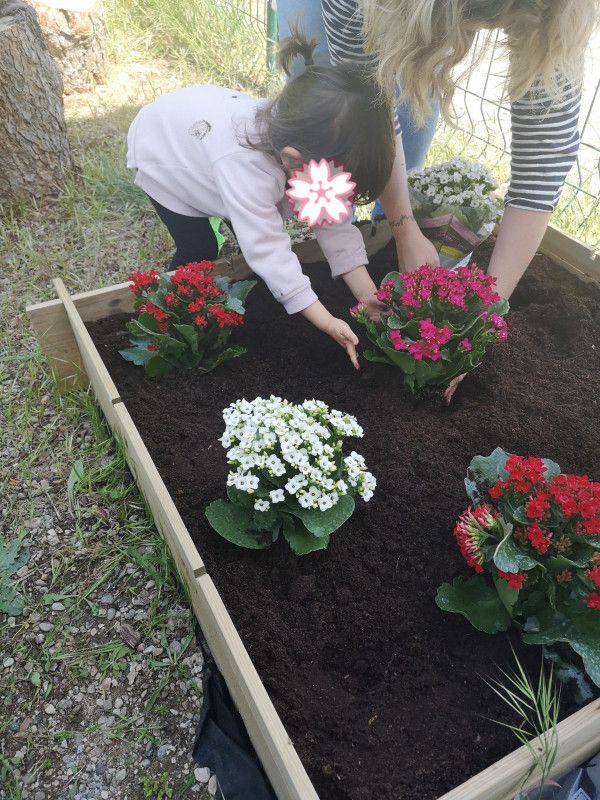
417,43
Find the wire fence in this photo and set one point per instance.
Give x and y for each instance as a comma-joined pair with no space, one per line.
483,118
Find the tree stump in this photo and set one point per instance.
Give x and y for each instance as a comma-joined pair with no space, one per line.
34,151
75,31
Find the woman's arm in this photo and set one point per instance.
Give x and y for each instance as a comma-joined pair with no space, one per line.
520,234
412,247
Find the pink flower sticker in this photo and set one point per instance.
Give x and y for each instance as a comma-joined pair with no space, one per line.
321,193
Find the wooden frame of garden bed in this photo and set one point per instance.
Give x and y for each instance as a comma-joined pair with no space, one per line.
72,355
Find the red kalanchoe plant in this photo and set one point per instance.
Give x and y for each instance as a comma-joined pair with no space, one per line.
438,323
532,536
184,319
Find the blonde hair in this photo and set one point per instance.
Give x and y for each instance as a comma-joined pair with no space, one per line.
420,42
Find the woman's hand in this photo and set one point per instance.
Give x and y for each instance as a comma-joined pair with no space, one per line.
339,330
414,249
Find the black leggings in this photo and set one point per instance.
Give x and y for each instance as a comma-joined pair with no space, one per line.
194,239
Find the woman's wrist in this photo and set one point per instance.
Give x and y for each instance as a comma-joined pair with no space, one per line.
318,315
404,227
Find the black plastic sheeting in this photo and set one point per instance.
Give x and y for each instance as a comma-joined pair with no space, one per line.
222,743
582,783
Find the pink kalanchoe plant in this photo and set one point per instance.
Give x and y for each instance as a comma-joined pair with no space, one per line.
438,323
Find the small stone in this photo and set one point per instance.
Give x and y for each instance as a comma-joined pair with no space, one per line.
8,662
107,704
120,775
212,785
110,614
39,795
57,607
13,727
52,538
164,750
49,709
106,600
119,702
202,774
45,626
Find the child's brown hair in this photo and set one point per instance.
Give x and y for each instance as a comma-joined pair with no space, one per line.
333,112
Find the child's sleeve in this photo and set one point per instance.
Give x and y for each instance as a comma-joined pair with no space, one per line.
250,194
343,246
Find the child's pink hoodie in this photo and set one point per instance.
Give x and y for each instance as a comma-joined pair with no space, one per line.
187,147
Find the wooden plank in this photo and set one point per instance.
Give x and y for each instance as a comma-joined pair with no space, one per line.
271,742
579,739
91,363
570,253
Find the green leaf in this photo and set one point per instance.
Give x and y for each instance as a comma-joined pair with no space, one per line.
231,522
158,365
322,523
508,556
35,678
574,624
11,602
502,308
506,594
137,355
74,479
233,304
147,322
231,352
476,601
552,469
376,356
190,335
483,471
240,290
242,499
14,554
300,540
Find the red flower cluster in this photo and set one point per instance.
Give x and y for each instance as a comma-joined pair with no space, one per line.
141,281
515,580
456,288
191,286
524,474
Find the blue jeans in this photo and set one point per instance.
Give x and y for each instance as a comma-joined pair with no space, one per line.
415,140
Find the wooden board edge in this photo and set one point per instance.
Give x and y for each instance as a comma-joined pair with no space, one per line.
265,728
570,253
578,740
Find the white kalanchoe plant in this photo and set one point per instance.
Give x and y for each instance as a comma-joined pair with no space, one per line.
459,186
288,473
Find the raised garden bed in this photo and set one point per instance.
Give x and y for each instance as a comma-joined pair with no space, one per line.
379,690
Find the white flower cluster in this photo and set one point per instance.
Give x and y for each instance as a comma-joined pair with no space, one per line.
459,182
279,451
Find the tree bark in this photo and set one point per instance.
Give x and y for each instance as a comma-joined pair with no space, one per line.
34,151
76,35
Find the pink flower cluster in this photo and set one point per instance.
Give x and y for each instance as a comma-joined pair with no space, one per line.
432,337
455,287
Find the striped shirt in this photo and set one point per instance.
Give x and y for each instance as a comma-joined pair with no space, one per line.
544,134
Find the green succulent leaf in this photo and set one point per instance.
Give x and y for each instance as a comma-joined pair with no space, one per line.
11,602
157,365
508,556
189,334
232,522
475,600
300,540
240,290
137,355
323,523
574,624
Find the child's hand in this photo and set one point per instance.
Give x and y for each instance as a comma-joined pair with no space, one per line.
339,330
343,334
375,308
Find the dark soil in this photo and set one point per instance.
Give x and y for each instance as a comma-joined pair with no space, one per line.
380,691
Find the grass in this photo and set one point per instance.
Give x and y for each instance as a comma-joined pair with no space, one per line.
537,708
